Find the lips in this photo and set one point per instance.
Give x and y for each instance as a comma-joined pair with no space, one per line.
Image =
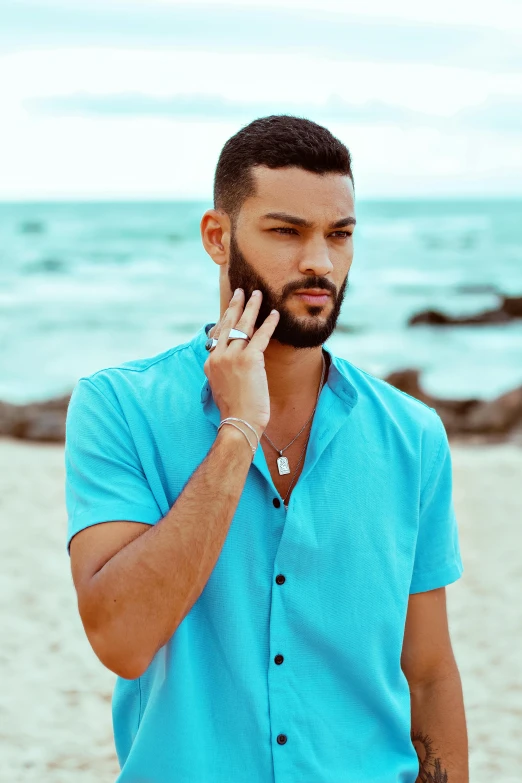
315,296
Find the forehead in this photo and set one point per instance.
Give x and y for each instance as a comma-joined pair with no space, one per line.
299,192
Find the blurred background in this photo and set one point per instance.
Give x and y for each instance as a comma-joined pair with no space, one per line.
112,118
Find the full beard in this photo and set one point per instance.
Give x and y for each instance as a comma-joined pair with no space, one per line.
297,331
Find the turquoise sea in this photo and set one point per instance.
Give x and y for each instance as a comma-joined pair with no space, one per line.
89,285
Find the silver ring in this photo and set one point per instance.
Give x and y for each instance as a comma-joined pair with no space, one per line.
237,334
234,334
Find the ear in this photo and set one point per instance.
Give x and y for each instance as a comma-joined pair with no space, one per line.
215,235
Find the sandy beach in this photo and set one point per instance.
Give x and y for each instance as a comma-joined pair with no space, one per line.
55,701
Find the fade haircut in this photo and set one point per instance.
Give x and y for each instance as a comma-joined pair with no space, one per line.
276,141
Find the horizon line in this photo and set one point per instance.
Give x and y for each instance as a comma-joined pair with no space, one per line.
199,199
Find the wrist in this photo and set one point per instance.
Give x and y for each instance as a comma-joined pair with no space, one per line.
237,435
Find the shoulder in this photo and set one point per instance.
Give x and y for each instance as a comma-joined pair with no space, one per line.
389,405
172,371
393,420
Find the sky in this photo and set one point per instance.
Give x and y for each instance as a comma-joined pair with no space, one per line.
105,99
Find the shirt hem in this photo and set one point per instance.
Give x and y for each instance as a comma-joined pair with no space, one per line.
111,513
431,580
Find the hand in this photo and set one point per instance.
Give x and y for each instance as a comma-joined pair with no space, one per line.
236,369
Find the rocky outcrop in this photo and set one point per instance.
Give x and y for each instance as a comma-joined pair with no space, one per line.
510,308
36,421
475,419
490,420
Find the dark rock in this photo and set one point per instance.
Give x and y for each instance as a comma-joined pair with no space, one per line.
36,421
512,305
472,419
8,417
492,419
499,415
433,317
509,309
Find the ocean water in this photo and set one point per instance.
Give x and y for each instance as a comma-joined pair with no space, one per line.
89,285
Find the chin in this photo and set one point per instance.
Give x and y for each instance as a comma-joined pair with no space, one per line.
313,315
302,335
304,308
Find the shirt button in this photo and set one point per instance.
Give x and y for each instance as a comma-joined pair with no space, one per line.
276,502
279,659
280,579
281,739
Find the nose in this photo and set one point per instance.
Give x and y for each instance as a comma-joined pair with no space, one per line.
316,260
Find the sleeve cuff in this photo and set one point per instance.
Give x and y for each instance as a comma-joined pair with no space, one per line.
146,514
430,580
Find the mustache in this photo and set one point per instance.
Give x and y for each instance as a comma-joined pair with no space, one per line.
325,285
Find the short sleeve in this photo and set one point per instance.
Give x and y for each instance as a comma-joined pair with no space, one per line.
104,480
438,560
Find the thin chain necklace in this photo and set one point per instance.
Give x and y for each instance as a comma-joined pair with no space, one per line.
282,462
296,472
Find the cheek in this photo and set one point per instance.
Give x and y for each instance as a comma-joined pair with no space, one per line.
274,264
345,259
273,254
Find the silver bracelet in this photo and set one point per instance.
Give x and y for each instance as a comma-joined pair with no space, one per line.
240,430
230,420
234,418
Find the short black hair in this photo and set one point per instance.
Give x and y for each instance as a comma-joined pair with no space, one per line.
276,141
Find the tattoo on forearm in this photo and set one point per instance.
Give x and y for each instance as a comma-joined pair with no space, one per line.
430,770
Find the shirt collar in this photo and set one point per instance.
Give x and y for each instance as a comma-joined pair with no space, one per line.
335,403
338,379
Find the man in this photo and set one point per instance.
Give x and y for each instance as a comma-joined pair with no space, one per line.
269,589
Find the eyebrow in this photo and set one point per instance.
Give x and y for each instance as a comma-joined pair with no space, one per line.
297,221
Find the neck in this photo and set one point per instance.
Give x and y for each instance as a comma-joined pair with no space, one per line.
293,377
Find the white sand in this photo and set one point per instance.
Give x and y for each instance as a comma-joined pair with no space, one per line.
55,700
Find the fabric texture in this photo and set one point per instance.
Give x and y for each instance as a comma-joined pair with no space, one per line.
324,583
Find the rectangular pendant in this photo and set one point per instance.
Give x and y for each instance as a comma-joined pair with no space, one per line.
283,466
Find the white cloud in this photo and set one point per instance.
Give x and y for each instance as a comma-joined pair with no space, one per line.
432,89
152,156
45,158
502,15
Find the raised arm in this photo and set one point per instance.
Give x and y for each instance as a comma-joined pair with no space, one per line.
136,582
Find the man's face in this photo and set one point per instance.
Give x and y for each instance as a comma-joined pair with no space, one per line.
280,257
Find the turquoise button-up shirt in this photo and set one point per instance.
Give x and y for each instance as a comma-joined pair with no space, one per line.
287,667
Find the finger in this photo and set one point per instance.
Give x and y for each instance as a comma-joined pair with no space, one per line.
262,335
244,320
229,320
216,329
247,321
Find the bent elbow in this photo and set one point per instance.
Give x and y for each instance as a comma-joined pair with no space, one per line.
121,663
